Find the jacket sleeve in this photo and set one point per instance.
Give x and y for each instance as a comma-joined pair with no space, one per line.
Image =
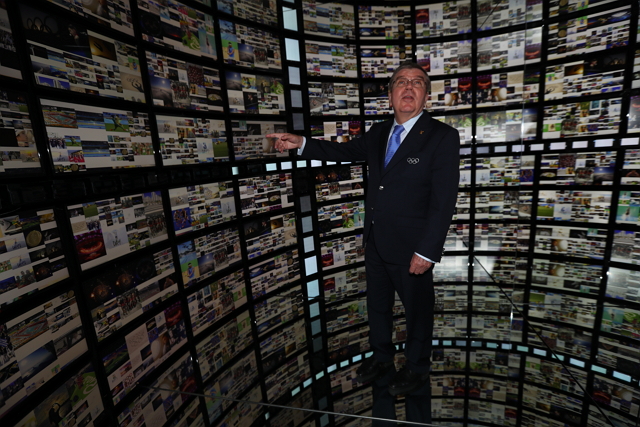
355,150
445,169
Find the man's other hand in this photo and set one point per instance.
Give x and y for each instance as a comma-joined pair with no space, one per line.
419,265
286,141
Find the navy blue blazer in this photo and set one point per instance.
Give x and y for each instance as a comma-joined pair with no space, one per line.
412,200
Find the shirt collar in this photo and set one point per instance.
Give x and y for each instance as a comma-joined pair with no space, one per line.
409,123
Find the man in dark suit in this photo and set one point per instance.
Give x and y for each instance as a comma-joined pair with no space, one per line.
413,181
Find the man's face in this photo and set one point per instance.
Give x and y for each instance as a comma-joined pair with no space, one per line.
408,101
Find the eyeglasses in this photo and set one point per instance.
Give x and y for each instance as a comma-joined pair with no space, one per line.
417,83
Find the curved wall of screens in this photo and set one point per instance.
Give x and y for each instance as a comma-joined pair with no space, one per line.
153,240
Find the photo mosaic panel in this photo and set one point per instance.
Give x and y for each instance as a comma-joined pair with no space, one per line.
384,22
201,206
270,275
107,229
333,98
631,167
625,248
575,206
214,301
628,207
520,48
589,33
288,375
330,59
381,61
633,124
266,193
76,402
462,123
340,132
9,62
507,13
186,141
249,46
82,138
177,26
575,276
346,314
443,19
601,74
622,356
242,412
254,93
501,171
37,345
328,19
340,218
343,251
352,342
445,58
186,85
159,405
562,339
31,254
506,125
262,12
249,142
588,168
81,60
231,383
498,205
450,94
203,256
224,344
269,234
279,309
376,99
18,152
119,295
276,348
571,241
141,351
115,14
339,181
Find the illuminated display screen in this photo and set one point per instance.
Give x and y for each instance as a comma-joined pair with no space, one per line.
200,206
249,47
177,26
181,84
331,59
203,256
107,229
81,60
31,254
85,138
328,19
188,141
118,296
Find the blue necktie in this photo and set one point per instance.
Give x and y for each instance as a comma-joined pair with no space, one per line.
394,143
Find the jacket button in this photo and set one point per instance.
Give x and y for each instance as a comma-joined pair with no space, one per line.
381,187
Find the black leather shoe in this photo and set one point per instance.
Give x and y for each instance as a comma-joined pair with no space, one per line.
406,381
372,369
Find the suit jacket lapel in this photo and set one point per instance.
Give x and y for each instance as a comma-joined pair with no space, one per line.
382,149
419,132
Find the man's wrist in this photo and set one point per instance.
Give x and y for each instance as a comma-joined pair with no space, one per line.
301,149
425,258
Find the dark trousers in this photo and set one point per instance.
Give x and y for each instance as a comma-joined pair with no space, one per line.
418,298
417,295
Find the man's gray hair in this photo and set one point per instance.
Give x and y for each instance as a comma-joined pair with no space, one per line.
409,65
